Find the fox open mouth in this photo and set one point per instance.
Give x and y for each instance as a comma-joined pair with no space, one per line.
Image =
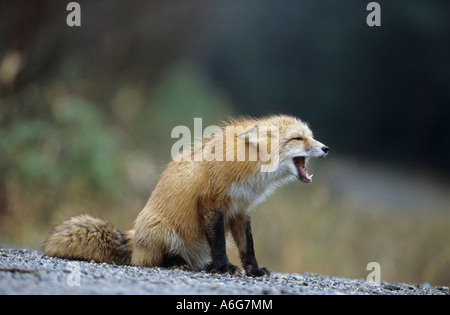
303,175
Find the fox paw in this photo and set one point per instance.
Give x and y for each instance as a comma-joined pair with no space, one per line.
228,269
257,272
180,267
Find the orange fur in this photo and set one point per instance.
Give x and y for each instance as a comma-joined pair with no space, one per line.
189,193
188,190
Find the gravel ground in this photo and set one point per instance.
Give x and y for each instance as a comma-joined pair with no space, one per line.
25,271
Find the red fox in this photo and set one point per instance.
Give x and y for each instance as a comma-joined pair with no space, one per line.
196,202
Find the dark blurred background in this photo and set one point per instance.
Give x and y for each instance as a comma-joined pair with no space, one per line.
86,115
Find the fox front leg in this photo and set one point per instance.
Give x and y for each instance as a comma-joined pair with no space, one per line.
215,234
242,235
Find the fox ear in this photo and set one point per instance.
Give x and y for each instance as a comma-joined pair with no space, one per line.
250,136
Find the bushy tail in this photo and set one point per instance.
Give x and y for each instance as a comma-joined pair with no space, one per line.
88,238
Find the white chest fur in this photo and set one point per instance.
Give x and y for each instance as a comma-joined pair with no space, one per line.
254,190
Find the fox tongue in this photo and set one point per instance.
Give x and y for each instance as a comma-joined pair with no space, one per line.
303,173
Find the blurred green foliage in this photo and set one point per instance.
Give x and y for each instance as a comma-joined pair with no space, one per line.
52,152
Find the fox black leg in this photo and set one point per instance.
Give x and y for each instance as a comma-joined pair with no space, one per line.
175,261
215,233
242,235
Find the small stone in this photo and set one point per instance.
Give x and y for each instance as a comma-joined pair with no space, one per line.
443,289
391,287
425,285
265,291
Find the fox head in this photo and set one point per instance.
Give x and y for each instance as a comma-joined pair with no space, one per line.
289,144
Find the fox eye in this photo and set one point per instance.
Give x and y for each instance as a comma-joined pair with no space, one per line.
298,138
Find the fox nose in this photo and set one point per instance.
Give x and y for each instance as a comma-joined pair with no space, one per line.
325,149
